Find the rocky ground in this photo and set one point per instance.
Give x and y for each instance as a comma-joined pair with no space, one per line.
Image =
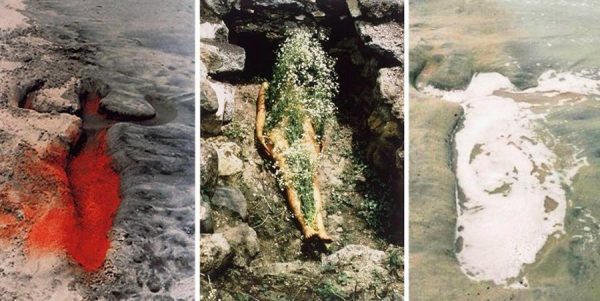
60,92
251,248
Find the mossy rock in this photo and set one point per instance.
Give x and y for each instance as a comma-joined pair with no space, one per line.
455,72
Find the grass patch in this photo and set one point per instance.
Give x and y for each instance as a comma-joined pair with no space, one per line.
329,292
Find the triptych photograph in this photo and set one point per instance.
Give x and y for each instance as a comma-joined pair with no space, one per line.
287,150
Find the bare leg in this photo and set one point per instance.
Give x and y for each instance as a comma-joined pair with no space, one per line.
296,208
322,233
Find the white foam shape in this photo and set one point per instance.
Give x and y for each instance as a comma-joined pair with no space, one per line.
503,231
552,81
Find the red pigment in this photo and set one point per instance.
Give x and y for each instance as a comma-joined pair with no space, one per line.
82,224
92,105
28,104
8,225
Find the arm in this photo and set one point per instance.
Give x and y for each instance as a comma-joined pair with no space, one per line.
261,115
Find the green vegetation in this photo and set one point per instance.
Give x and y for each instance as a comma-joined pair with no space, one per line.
301,91
377,202
395,261
237,131
329,292
302,168
304,83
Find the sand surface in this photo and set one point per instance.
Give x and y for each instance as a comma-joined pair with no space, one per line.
11,17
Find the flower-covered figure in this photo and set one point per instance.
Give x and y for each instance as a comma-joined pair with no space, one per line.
291,116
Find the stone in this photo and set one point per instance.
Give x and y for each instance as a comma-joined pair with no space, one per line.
221,7
389,89
214,31
288,269
244,242
231,198
226,99
229,162
121,106
211,122
384,39
280,4
209,103
335,225
203,71
353,8
63,99
387,135
209,166
215,253
89,85
359,263
220,57
455,72
44,133
206,221
378,10
273,18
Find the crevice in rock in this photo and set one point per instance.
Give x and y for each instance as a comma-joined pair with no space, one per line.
24,92
260,55
357,68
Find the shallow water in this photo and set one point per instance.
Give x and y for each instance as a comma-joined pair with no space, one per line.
557,34
527,161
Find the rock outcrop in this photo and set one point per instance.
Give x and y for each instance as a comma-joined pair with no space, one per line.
220,57
62,100
214,254
209,166
217,57
232,199
386,40
119,105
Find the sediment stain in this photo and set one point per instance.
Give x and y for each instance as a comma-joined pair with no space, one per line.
550,204
476,151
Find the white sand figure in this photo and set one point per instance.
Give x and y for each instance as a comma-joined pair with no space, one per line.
512,196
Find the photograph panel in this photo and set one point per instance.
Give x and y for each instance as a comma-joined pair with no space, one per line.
97,152
302,159
504,135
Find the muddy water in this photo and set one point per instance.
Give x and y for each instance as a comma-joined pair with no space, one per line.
527,162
